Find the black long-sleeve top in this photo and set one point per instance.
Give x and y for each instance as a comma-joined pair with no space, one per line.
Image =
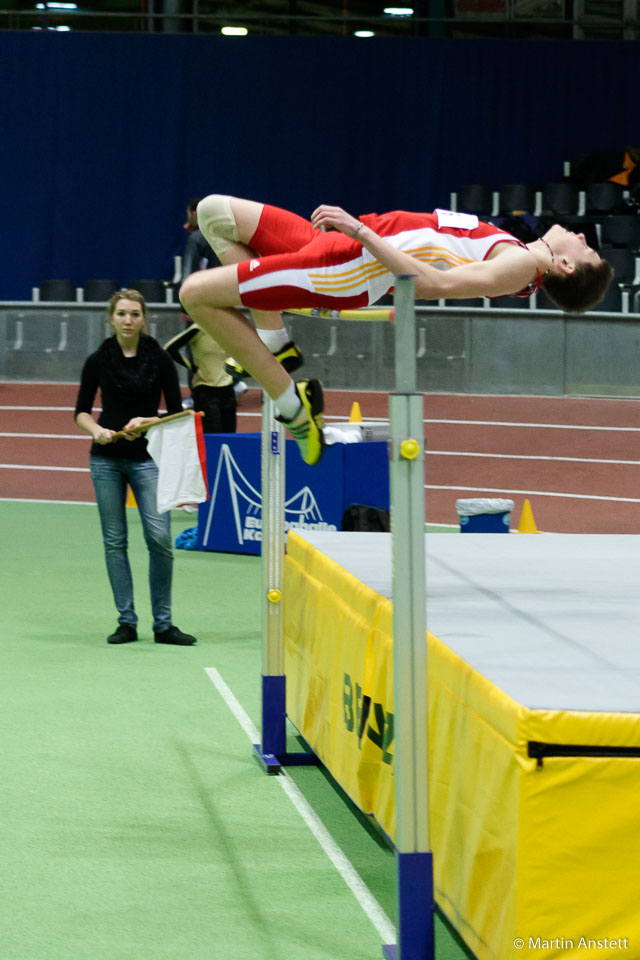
129,387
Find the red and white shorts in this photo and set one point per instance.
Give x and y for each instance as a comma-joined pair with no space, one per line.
301,267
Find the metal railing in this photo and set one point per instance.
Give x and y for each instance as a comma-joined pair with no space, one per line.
578,20
458,349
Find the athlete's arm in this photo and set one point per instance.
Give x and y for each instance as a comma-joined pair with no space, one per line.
510,268
508,271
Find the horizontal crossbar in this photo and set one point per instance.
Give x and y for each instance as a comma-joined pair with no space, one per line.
366,313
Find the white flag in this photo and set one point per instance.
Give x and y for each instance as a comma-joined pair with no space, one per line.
177,446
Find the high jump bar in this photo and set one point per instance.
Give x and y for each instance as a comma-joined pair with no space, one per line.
364,313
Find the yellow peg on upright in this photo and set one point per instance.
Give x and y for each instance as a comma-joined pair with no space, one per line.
409,449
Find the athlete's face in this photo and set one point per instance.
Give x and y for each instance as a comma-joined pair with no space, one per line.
573,247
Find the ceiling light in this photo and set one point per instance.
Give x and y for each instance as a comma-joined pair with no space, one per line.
234,31
399,11
363,33
56,5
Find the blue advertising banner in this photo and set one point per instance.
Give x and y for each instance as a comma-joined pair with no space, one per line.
316,497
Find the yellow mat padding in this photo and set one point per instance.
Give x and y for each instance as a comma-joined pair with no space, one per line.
543,853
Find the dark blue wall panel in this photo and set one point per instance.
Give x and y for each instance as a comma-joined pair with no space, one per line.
104,137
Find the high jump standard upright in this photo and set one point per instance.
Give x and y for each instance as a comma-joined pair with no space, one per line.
414,866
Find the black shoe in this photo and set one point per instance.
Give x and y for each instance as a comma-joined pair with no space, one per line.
173,635
126,633
290,356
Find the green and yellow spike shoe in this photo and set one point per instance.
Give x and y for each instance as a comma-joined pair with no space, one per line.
306,426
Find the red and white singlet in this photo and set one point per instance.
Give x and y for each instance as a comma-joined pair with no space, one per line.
302,267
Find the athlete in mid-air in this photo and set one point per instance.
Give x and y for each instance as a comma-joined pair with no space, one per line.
275,260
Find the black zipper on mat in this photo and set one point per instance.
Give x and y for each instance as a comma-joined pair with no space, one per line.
540,750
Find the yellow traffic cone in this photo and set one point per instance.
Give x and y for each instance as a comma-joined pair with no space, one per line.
527,523
131,500
355,416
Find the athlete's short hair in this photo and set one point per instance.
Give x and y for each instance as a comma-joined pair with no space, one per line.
581,290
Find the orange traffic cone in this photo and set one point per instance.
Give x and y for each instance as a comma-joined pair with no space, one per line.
355,416
527,523
131,500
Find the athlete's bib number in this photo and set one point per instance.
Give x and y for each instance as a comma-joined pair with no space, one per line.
461,221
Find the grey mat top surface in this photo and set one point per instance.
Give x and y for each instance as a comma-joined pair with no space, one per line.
553,620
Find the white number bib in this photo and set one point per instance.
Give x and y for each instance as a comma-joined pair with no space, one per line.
462,221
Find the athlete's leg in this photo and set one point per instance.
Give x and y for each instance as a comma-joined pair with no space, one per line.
239,230
265,230
211,297
229,224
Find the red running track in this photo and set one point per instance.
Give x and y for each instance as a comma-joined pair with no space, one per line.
576,460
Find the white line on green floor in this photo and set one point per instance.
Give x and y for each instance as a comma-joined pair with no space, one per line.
349,874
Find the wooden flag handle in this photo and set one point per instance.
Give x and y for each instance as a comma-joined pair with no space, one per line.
138,431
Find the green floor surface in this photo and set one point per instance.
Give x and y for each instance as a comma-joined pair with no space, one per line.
135,823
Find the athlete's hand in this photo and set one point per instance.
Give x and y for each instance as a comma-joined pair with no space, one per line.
335,218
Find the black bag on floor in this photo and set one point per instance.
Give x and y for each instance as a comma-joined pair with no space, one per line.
360,517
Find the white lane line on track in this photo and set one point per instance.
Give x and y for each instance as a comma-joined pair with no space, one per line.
48,436
525,456
21,466
531,493
534,426
349,874
7,406
485,423
64,503
446,421
429,453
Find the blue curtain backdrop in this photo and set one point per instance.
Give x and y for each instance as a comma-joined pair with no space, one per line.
105,137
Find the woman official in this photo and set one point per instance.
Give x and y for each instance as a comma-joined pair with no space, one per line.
132,371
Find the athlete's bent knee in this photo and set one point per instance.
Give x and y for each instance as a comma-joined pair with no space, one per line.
189,292
217,222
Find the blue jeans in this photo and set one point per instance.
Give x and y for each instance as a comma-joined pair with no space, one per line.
110,478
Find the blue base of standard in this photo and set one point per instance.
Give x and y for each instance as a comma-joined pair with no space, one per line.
272,752
414,873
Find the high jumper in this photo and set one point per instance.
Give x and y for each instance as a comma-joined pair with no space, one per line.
275,260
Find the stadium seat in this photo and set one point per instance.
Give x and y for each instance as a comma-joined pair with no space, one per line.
62,290
467,302
99,290
152,290
603,197
623,261
514,303
613,300
544,302
475,198
560,199
621,230
517,198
